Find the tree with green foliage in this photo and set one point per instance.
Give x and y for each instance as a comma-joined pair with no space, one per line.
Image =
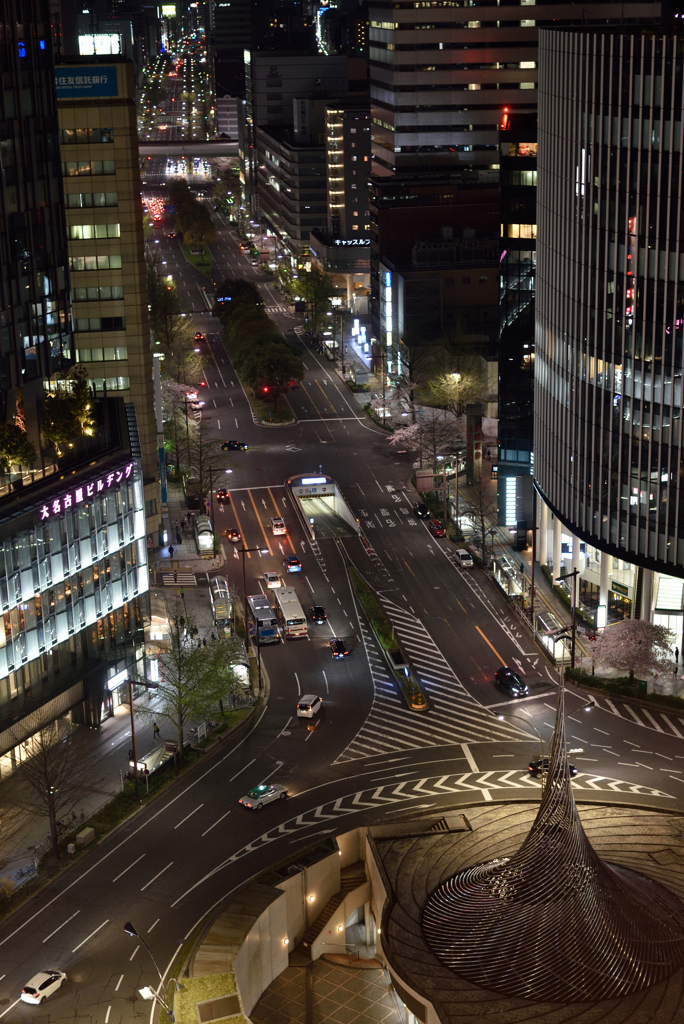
194,678
15,448
81,400
270,368
317,288
194,220
171,329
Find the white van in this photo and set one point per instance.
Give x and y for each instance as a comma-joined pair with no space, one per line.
464,559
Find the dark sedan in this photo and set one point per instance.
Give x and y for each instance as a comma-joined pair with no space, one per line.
234,446
318,615
338,648
510,682
421,510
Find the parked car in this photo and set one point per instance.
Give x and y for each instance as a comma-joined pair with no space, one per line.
42,985
263,794
510,682
421,510
338,648
464,558
308,706
318,615
436,528
535,767
292,563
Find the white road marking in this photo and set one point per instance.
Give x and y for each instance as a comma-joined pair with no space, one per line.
118,983
299,689
218,822
109,1010
284,728
469,758
242,769
133,953
59,928
88,937
158,875
153,925
327,688
187,816
128,868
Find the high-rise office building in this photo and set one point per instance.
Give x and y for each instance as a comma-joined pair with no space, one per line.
274,81
610,318
100,163
444,79
342,248
73,555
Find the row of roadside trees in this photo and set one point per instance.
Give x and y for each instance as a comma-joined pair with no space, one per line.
261,356
61,769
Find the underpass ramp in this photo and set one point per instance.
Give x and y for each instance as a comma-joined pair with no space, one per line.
321,507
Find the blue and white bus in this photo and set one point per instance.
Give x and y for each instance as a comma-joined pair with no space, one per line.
260,612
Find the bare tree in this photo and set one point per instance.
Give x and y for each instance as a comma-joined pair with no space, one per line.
481,511
635,646
428,435
55,770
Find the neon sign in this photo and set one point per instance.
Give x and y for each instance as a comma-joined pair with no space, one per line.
81,495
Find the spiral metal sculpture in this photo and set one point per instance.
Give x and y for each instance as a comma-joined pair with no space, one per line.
554,922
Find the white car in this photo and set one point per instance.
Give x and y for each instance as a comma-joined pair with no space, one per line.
264,794
273,580
42,985
308,706
278,526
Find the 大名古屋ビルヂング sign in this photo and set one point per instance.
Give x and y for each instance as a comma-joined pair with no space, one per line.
84,492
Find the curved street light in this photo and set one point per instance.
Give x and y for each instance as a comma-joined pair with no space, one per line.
147,992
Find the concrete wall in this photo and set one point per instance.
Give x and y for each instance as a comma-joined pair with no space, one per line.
263,954
333,932
352,846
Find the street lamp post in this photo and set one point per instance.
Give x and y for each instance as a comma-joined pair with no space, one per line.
148,686
575,573
131,930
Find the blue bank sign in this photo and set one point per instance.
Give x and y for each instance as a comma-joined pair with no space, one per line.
86,82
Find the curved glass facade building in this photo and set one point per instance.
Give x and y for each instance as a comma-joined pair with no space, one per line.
610,291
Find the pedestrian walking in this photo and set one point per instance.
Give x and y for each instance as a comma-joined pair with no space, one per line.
522,568
676,654
155,731
130,753
171,550
178,536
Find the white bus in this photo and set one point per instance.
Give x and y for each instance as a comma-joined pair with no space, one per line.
262,624
290,614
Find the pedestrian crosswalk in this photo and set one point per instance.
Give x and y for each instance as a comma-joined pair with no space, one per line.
179,579
454,717
667,722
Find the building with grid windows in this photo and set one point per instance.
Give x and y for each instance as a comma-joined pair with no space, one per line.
100,165
610,318
73,552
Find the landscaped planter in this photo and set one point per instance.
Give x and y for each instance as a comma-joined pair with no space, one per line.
408,684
